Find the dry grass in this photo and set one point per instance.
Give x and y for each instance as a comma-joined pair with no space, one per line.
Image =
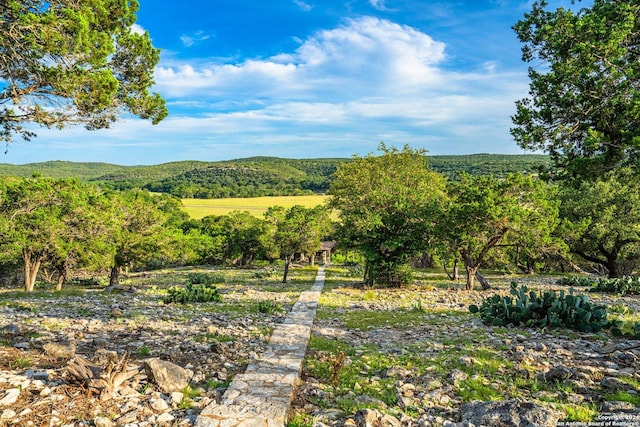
257,206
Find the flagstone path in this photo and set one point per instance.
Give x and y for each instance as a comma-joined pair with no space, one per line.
261,397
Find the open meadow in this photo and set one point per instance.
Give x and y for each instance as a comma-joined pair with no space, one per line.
257,206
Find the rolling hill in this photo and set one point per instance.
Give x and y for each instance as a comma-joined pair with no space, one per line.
253,176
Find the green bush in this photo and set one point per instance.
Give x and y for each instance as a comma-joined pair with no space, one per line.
542,309
204,278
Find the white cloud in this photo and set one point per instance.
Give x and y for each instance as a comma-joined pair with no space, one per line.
378,4
303,5
137,29
195,38
364,56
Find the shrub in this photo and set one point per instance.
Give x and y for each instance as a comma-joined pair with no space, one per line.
542,309
204,278
621,286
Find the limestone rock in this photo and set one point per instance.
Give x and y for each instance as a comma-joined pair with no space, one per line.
557,373
10,397
168,376
61,350
511,413
373,418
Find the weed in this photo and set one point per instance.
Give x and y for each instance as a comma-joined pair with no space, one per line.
319,343
268,307
623,396
21,362
300,420
478,389
212,384
144,351
579,413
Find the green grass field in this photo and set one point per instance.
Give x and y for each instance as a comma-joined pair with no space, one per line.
199,208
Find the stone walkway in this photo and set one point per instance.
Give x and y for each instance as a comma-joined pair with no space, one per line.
261,397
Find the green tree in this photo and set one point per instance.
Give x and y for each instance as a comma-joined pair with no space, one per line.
247,238
584,104
80,241
298,230
136,230
388,207
486,213
43,220
73,62
601,221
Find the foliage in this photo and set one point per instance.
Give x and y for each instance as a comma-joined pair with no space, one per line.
298,230
485,214
268,307
207,279
584,94
542,309
620,286
192,292
388,206
50,223
259,176
601,221
137,230
576,281
68,62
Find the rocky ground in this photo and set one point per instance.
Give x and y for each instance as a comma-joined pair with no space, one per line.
41,334
432,358
427,359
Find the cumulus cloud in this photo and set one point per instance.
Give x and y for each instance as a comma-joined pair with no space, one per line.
367,80
364,55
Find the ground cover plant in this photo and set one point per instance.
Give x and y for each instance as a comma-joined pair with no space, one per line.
418,354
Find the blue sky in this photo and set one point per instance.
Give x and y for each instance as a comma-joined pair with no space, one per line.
315,78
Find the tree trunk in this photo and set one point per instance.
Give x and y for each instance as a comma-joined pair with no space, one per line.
472,272
114,277
60,282
453,275
613,267
287,263
312,259
31,266
483,281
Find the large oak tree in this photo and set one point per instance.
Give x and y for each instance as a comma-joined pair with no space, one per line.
388,207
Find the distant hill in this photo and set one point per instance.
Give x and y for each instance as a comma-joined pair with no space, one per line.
254,176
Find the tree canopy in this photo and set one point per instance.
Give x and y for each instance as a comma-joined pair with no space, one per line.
485,213
65,62
602,221
388,206
584,98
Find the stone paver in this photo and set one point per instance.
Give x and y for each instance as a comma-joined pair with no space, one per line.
261,397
